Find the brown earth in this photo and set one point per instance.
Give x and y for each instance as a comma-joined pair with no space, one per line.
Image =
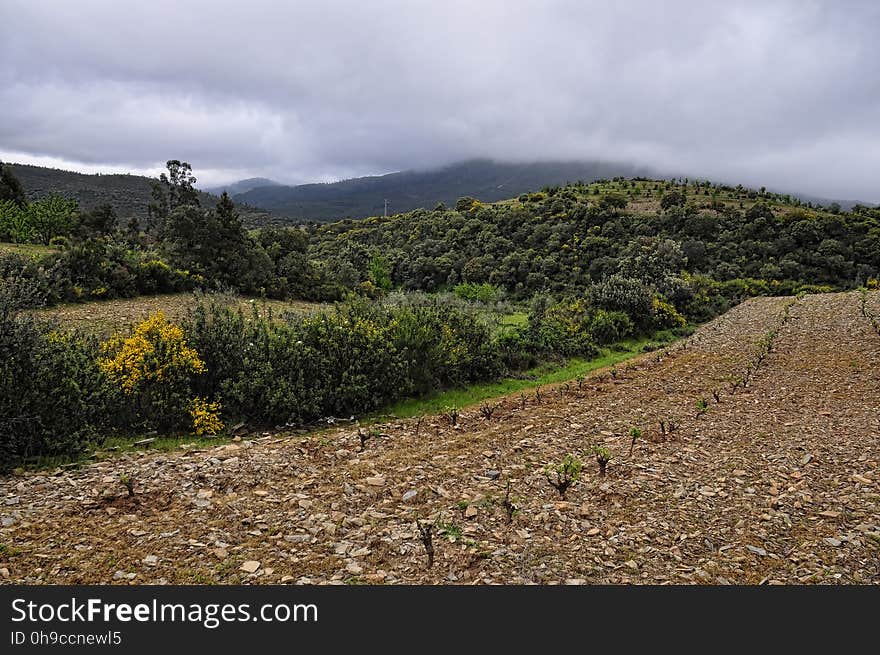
104,317
777,481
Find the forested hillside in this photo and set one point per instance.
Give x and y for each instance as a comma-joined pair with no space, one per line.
129,195
407,190
242,186
563,238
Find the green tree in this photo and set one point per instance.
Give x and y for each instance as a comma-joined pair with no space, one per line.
14,223
10,187
172,190
613,202
380,271
673,199
101,221
52,216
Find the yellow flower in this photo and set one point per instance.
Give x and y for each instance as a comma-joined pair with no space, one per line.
205,416
155,352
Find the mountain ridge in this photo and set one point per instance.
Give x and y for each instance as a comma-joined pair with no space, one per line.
241,186
485,179
128,194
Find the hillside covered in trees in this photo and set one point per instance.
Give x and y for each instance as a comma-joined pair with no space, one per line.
562,239
128,195
407,190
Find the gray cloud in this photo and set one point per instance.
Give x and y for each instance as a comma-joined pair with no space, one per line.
784,94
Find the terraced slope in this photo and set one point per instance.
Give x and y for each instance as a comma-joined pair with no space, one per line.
776,481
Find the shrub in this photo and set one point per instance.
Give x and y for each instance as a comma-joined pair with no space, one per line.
515,351
673,199
628,295
154,368
155,276
562,328
347,361
610,326
613,201
205,417
665,316
473,292
54,400
466,204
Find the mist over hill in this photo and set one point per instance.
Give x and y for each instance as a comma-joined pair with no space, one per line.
242,186
486,180
263,202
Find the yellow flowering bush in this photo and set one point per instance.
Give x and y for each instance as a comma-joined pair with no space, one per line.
154,366
154,353
205,417
665,315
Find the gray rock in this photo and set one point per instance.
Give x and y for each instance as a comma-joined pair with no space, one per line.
297,538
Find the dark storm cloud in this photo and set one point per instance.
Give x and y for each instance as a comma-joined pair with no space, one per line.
778,93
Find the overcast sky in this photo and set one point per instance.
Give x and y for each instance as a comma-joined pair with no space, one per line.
785,94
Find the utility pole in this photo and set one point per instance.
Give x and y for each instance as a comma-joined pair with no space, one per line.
386,207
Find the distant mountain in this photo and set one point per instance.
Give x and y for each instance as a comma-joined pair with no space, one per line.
129,195
242,186
483,179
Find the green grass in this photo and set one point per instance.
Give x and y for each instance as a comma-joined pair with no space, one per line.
30,249
514,320
536,377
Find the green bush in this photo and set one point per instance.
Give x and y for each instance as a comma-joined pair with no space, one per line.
54,400
562,328
473,292
608,327
628,295
347,361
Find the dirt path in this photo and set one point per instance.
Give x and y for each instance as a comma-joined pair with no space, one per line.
776,481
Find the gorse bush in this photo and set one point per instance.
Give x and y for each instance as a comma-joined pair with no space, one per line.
205,417
562,328
154,368
665,316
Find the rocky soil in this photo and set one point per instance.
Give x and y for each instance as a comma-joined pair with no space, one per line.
775,479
